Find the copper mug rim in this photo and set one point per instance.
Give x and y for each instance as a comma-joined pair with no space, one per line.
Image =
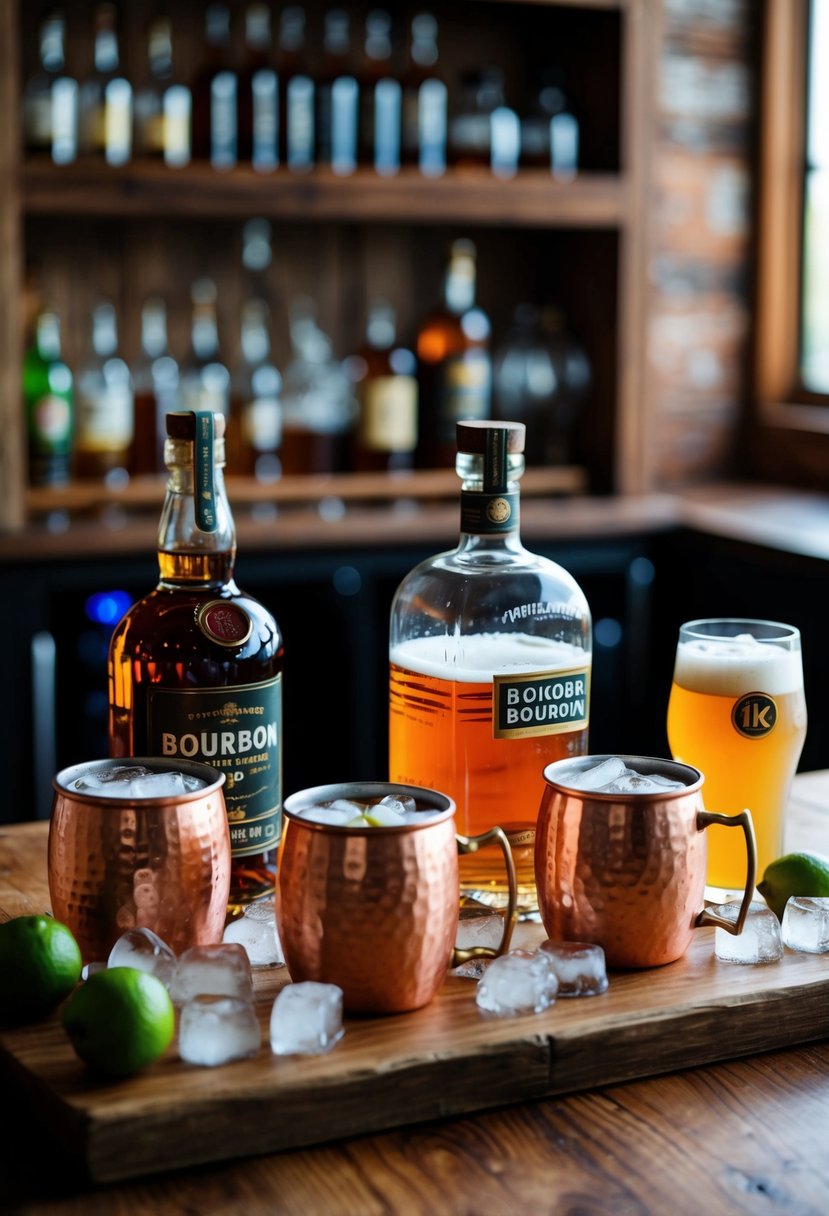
62,781
646,765
440,806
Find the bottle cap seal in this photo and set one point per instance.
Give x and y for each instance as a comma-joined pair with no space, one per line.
472,436
181,424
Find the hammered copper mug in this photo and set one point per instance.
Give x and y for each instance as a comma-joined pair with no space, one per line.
375,909
627,870
118,863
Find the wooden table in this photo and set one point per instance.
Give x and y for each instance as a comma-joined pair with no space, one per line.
746,1136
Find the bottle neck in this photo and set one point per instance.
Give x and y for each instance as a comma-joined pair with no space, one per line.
188,553
490,499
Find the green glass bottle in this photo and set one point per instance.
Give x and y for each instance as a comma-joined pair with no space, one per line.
49,401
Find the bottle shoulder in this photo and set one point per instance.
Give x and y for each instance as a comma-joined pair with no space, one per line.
167,618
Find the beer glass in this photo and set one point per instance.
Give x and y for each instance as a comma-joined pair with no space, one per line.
737,712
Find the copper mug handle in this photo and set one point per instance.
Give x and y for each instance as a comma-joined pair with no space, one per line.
471,844
743,820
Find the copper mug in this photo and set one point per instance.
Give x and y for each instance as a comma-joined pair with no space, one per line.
375,909
118,863
627,870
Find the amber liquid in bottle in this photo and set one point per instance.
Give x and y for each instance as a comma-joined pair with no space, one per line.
160,647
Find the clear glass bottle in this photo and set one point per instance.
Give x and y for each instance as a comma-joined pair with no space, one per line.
258,93
319,408
104,403
490,659
383,372
197,649
214,105
255,424
297,140
425,97
105,101
49,402
50,97
205,380
148,102
454,361
155,377
337,109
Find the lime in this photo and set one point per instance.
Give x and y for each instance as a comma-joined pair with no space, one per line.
40,964
120,1020
794,874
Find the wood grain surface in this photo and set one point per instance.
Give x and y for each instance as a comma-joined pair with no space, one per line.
646,1147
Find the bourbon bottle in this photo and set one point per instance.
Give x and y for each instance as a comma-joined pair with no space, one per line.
195,667
490,661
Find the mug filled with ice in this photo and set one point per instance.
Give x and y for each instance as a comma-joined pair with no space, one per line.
621,854
139,842
368,892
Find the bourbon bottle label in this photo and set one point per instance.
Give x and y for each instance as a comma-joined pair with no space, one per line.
540,703
238,731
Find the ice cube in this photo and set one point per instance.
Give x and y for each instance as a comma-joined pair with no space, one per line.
579,966
403,804
306,1019
329,814
145,950
806,924
522,981
136,781
479,929
382,815
598,775
256,931
472,969
215,1030
760,940
164,785
218,970
631,782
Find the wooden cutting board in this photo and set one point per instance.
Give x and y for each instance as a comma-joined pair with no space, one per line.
443,1060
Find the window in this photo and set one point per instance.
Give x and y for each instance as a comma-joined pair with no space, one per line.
814,324
788,436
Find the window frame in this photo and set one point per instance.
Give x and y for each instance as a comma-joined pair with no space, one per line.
790,431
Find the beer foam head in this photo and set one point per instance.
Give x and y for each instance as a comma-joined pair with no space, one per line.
737,666
476,658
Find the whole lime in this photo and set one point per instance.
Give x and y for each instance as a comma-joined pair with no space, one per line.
40,964
794,874
120,1020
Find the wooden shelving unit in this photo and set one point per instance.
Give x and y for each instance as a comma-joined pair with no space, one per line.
591,232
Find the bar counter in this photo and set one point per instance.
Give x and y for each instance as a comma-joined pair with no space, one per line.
742,1136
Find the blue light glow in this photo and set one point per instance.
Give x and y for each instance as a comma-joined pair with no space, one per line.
107,607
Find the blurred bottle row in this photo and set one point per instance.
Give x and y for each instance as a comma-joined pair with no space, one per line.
370,94
381,407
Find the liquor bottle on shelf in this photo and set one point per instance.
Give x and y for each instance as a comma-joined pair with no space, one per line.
104,405
380,97
424,126
470,129
205,380
50,98
541,377
49,403
296,93
155,380
549,100
215,118
255,424
337,106
197,649
454,361
490,663
385,436
318,405
105,97
148,102
258,93
564,145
